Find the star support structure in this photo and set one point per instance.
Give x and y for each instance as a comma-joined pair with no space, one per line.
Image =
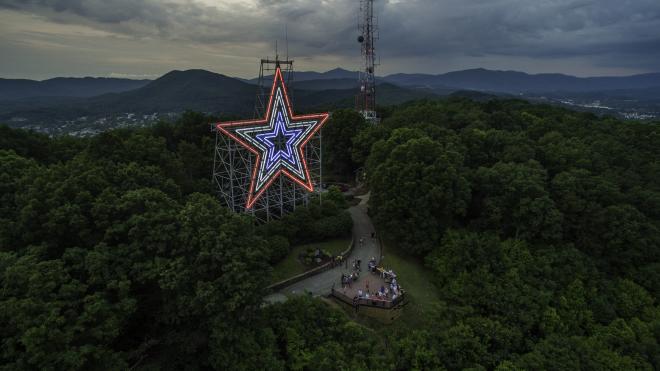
278,140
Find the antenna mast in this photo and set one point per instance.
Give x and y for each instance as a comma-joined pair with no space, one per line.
368,28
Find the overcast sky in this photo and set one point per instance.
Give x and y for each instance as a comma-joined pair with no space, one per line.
147,38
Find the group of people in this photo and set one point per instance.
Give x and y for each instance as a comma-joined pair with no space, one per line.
372,265
348,279
388,274
390,290
395,288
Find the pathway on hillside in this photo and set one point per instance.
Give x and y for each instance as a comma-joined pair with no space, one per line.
321,284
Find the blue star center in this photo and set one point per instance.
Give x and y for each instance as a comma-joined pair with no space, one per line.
280,142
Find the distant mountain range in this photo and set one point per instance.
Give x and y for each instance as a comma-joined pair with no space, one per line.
337,73
480,79
510,82
520,82
177,91
12,89
55,101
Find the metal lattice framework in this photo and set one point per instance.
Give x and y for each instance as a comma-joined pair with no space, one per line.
368,28
235,163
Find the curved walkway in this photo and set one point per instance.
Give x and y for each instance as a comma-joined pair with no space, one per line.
321,284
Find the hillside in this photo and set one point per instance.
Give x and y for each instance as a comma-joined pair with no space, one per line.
526,237
337,73
326,84
520,82
199,90
172,93
13,89
176,92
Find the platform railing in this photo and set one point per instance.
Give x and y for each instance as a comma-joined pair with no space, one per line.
371,302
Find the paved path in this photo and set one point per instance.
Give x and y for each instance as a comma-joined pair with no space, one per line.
321,284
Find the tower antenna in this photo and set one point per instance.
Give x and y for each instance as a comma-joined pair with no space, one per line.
365,101
286,40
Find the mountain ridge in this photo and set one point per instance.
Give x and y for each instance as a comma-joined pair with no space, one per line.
205,91
335,73
197,90
521,82
14,89
479,79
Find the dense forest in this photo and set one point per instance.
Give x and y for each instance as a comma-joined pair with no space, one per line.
539,227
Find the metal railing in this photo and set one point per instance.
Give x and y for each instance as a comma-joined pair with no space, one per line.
371,302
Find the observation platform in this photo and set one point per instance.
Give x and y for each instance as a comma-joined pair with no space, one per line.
372,295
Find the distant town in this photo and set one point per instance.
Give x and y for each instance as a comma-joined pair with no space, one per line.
86,126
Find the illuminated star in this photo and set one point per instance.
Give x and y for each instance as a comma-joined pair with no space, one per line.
278,141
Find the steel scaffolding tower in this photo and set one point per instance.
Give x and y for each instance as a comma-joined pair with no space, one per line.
233,163
368,28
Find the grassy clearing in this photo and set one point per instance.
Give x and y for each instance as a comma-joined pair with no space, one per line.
292,266
416,279
422,294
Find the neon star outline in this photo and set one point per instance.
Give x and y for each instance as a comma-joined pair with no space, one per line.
274,153
251,134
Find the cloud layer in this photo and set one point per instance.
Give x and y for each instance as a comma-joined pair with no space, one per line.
103,37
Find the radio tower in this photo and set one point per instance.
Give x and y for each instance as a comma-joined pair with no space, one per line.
368,27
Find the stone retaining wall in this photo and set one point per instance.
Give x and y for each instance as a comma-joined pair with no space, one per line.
321,268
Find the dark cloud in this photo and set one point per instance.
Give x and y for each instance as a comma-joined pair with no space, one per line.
521,28
601,34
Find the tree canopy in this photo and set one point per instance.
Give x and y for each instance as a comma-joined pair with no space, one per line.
539,226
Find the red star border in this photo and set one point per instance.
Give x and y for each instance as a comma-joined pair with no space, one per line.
271,162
